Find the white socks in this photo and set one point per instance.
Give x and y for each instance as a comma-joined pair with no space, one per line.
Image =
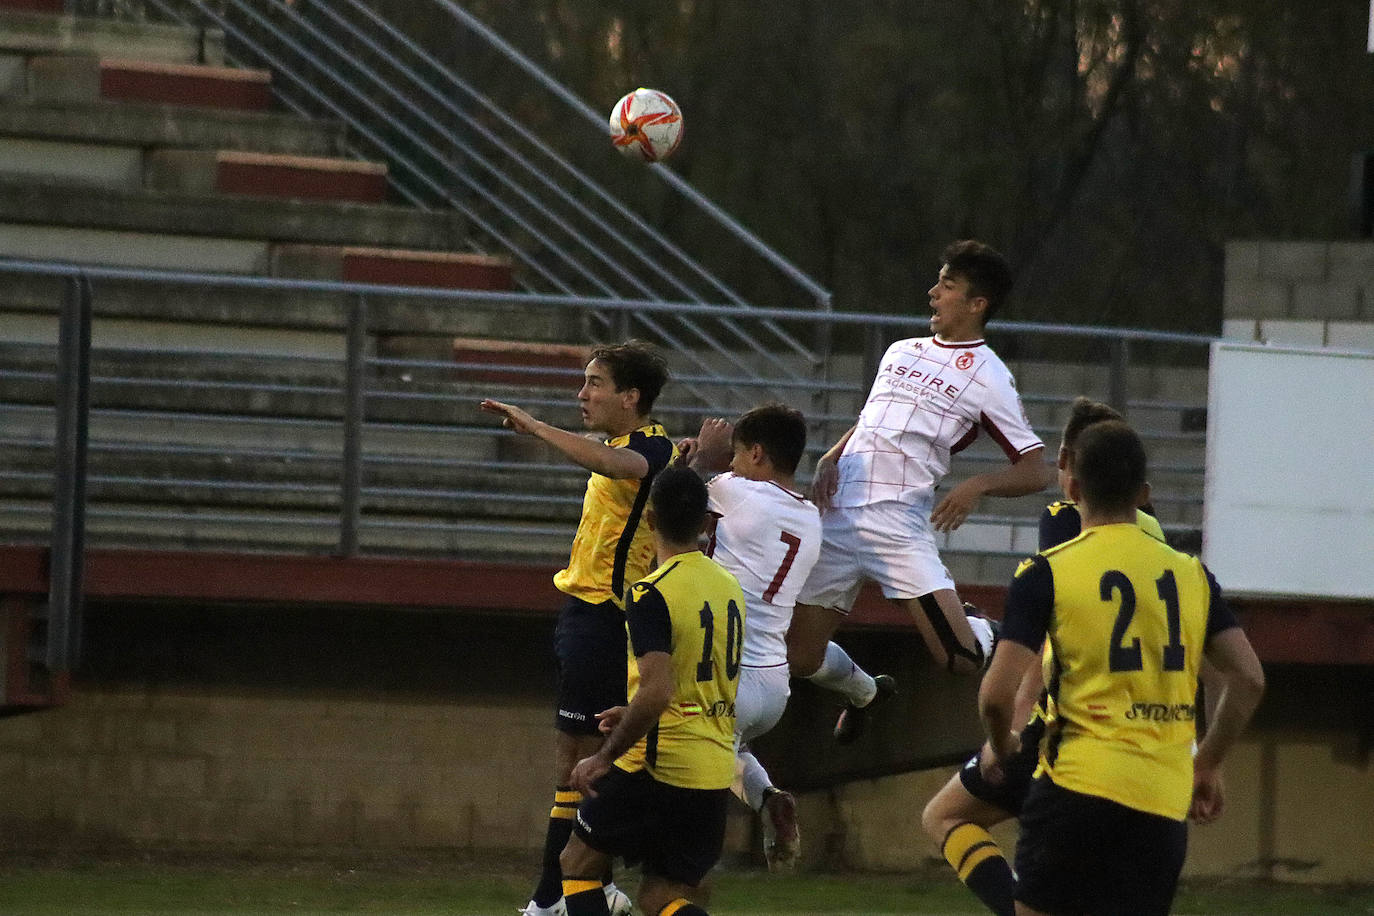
839,673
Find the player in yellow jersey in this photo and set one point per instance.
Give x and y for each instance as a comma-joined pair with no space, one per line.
612,549
960,815
658,789
1129,619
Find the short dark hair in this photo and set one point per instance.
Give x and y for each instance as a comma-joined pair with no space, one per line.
1109,465
780,429
984,267
678,499
635,364
1084,413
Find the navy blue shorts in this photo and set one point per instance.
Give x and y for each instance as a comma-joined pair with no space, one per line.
1081,854
590,643
669,831
1019,771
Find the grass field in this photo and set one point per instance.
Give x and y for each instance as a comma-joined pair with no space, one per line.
318,889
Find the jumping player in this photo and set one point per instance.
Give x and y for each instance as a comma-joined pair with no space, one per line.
876,486
613,548
768,535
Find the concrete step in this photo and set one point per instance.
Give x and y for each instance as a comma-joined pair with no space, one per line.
146,126
393,266
63,78
138,313
74,163
169,214
132,249
37,27
266,175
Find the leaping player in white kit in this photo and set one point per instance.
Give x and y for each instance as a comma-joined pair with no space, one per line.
876,485
768,535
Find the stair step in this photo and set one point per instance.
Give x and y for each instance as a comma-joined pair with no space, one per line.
133,249
523,353
78,163
88,79
31,28
152,126
232,314
266,175
393,266
174,214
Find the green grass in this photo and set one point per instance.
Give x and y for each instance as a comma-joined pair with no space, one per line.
317,889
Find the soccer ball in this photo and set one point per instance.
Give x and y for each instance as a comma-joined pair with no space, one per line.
646,124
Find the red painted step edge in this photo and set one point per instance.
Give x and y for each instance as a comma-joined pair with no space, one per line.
305,177
184,84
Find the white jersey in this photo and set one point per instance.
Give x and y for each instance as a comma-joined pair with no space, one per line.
928,402
769,538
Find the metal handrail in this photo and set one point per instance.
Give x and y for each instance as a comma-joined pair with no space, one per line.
471,163
420,465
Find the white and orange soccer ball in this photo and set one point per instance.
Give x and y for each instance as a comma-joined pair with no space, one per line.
646,124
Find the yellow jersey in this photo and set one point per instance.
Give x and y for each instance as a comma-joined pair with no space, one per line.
614,546
1127,618
693,609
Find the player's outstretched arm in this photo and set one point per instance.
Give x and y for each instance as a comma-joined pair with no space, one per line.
598,457
1029,474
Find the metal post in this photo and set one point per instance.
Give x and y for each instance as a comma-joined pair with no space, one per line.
355,394
67,558
1119,385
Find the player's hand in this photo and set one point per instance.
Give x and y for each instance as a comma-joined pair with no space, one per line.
514,417
587,771
714,440
608,719
990,766
825,481
957,506
686,448
1209,796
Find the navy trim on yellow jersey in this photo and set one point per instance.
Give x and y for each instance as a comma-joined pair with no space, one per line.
648,619
652,450
1030,601
1059,522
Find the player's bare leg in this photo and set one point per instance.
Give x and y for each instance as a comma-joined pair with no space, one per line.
948,632
958,823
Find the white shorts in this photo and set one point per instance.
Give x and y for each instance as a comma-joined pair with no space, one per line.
760,700
890,542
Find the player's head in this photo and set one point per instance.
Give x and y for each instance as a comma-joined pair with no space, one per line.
984,273
677,503
1109,468
774,432
1083,413
621,383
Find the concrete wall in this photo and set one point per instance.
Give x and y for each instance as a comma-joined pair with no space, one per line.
1310,294
392,731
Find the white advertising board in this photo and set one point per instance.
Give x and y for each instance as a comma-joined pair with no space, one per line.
1290,471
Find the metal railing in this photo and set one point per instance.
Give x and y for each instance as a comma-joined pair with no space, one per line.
356,451
452,143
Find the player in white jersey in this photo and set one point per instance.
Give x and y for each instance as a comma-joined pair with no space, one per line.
768,535
876,485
